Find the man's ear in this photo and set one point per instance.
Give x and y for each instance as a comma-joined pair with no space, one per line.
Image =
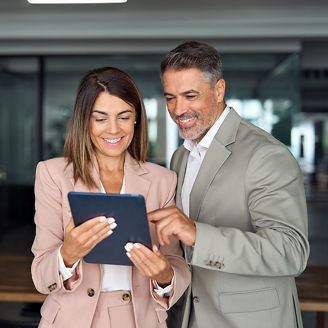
219,90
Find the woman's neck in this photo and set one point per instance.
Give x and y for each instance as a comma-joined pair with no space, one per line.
110,164
111,171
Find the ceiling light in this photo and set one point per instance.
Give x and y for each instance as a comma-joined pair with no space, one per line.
74,1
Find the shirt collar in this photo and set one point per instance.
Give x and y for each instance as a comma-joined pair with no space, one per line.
102,188
205,143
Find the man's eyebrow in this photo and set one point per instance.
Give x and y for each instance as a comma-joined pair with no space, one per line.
182,93
189,91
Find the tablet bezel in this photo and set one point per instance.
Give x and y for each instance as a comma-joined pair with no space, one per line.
129,212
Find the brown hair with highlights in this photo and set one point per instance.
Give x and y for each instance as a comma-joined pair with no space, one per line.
78,148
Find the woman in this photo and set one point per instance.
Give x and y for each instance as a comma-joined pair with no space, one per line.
105,151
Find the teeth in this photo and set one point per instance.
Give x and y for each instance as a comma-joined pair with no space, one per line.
112,140
186,120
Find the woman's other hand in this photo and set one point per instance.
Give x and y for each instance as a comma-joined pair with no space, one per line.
151,263
79,241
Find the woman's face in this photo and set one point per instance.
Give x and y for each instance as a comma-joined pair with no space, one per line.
111,125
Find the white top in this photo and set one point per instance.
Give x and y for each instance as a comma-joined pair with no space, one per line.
115,277
196,157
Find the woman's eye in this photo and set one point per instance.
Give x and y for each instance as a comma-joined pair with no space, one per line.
124,118
100,119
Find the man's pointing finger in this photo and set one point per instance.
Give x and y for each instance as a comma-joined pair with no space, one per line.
160,214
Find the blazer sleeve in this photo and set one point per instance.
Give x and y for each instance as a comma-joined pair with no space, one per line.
173,253
278,244
49,233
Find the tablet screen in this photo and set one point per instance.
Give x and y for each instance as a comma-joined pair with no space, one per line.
129,212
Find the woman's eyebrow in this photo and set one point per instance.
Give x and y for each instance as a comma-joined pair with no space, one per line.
104,113
99,112
125,111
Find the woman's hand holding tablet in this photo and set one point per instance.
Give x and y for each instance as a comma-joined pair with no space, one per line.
129,212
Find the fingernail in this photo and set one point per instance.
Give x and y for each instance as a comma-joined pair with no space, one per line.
113,225
155,248
111,220
102,219
109,232
128,246
128,254
136,245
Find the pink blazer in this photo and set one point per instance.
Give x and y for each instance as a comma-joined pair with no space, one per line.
68,303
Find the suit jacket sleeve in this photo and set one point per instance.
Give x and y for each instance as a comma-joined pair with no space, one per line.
278,244
49,233
173,253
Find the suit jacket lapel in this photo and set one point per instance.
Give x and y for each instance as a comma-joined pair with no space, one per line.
81,187
135,182
215,157
181,175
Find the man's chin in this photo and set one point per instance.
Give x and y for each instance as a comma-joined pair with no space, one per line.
189,135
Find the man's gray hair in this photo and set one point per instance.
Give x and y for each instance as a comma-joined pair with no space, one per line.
194,54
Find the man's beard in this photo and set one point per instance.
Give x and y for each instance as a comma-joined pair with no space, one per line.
200,129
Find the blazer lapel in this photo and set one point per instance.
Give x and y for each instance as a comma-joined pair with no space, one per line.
135,183
215,157
181,175
81,187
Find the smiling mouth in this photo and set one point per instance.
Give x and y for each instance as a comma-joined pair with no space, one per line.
186,123
113,141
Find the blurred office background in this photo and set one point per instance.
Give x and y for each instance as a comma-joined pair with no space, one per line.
275,60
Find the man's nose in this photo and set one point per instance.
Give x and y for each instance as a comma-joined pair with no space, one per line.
179,107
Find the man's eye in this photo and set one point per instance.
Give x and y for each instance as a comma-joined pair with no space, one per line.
191,96
168,99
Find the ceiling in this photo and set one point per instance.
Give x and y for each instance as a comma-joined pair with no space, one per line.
155,26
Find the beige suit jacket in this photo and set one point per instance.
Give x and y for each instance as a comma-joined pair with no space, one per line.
250,211
68,303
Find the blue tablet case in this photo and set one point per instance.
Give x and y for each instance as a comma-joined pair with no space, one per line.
130,215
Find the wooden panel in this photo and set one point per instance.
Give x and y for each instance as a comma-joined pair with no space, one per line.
16,284
312,287
15,280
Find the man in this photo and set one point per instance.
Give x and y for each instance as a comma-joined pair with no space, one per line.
241,211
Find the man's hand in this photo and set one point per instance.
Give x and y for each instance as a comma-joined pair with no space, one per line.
151,263
171,221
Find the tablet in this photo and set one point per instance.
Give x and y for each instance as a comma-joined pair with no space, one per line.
129,212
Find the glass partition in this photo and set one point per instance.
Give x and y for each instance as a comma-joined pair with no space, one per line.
62,76
18,150
263,88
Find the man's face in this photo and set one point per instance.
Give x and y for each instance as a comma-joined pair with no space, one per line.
192,102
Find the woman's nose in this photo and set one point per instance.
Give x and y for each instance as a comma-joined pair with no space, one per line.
112,127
